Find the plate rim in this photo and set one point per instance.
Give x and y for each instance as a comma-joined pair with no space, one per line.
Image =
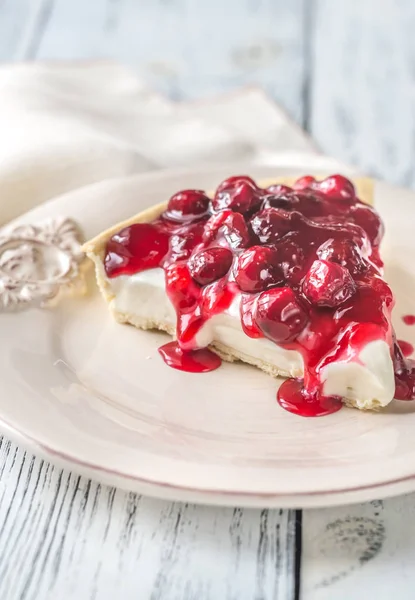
167,490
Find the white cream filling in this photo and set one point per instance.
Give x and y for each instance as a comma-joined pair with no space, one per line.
367,382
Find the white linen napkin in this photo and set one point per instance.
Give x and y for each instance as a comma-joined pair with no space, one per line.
66,125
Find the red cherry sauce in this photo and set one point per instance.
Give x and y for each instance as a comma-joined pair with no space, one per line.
406,348
404,374
198,361
409,319
295,398
304,262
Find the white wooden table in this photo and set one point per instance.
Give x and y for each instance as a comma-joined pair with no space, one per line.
344,70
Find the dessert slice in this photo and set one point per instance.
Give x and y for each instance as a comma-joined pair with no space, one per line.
286,277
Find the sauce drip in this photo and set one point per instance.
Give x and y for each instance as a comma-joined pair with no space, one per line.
409,319
296,399
192,361
406,347
404,374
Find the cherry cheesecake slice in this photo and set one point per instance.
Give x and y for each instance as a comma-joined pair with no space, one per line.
286,276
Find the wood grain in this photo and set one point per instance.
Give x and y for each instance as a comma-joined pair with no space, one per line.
363,551
62,536
362,93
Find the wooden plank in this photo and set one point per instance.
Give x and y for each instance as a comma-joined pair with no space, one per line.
189,48
62,536
361,111
362,93
363,551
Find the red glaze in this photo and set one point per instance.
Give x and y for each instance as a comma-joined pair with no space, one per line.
279,316
196,361
293,397
135,248
239,194
258,269
405,347
305,259
404,375
409,319
187,205
328,284
209,265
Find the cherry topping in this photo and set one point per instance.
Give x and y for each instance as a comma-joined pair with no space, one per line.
288,201
271,224
217,297
235,180
328,284
229,227
257,269
279,315
367,218
135,248
404,369
187,205
316,237
180,287
208,265
290,257
278,190
239,194
304,182
337,187
345,252
184,240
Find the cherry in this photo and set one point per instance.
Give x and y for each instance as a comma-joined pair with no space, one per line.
279,315
304,182
367,218
248,302
187,205
184,240
337,187
309,204
180,287
287,201
328,284
135,248
271,224
345,252
315,237
233,181
257,269
290,257
239,195
383,291
228,226
208,265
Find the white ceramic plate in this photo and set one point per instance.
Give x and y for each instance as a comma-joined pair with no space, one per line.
95,396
